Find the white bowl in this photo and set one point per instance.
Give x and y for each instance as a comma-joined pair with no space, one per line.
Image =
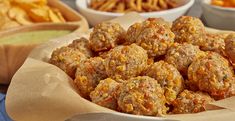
94,17
218,17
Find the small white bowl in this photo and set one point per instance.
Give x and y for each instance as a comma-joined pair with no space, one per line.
218,17
94,17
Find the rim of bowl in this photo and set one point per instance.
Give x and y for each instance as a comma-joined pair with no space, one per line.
207,2
39,27
186,5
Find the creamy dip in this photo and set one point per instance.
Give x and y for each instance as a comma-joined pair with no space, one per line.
33,37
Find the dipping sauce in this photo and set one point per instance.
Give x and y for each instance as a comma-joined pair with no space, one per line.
33,37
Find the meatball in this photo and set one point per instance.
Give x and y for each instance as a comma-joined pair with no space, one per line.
82,45
105,94
191,102
88,75
163,22
142,96
105,36
168,77
154,35
230,47
189,29
124,62
67,59
213,74
182,55
214,42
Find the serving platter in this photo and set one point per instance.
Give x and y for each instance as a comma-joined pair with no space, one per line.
48,90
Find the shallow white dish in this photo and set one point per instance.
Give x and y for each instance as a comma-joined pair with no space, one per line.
218,17
94,17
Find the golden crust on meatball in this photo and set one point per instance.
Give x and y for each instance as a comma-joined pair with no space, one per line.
67,59
182,55
82,45
142,96
212,73
214,42
154,35
105,93
230,47
123,62
189,29
88,75
191,102
105,36
168,77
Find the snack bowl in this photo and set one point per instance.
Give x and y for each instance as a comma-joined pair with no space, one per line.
13,55
218,17
68,14
17,43
94,17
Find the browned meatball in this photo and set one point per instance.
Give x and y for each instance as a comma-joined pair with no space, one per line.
105,93
88,75
191,102
105,36
142,96
67,59
168,77
189,29
213,74
182,55
214,42
154,35
82,45
230,47
124,62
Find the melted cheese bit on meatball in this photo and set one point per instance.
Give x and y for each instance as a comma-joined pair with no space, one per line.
142,96
124,62
182,55
88,75
168,77
191,102
213,74
190,30
105,93
154,35
105,36
82,45
230,47
67,59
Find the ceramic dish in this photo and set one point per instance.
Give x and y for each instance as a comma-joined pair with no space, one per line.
70,15
94,17
15,45
218,17
13,55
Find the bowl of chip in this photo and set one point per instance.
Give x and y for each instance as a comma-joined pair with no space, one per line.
217,14
97,11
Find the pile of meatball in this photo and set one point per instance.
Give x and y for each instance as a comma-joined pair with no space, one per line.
154,68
